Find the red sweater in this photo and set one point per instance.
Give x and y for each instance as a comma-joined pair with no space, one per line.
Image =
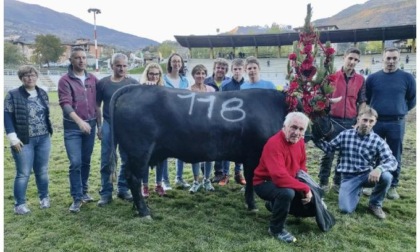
280,162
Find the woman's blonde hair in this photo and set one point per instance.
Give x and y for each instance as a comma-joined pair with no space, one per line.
149,66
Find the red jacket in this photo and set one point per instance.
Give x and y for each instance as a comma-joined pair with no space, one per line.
347,107
280,162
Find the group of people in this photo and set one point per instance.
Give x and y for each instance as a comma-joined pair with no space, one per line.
369,125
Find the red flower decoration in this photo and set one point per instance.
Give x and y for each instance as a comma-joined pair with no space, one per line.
292,56
313,92
329,51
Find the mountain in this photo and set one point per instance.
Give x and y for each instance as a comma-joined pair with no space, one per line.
373,13
26,21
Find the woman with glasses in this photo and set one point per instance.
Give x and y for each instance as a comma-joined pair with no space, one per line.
175,78
28,128
152,75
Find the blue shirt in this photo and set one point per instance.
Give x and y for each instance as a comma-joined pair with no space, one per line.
259,84
391,94
183,82
359,153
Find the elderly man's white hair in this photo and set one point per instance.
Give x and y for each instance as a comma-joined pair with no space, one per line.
300,115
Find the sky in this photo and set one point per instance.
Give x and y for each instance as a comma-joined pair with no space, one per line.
160,20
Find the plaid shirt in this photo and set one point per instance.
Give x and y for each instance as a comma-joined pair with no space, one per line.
359,153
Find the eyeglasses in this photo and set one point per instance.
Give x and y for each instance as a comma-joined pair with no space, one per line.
153,74
30,75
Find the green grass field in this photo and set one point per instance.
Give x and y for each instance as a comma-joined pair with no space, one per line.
215,221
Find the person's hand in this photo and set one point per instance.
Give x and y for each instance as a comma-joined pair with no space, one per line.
18,147
84,127
374,175
150,83
99,133
308,197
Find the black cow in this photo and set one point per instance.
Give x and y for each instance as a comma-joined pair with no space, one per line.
151,123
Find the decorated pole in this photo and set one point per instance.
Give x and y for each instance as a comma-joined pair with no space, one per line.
310,85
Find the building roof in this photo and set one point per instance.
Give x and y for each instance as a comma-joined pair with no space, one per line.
279,39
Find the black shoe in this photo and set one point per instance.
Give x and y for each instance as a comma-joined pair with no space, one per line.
269,206
217,178
105,200
125,196
86,198
75,206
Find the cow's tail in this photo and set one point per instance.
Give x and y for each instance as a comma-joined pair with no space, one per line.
113,158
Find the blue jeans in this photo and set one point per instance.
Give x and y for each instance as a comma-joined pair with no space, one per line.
159,173
393,133
79,147
207,169
328,158
165,172
106,174
226,166
351,187
179,169
34,155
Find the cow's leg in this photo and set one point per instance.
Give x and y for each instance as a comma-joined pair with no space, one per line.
134,173
249,188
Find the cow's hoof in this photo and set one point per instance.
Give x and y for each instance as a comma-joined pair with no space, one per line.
251,209
146,218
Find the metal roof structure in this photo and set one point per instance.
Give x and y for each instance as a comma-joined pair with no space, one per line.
334,36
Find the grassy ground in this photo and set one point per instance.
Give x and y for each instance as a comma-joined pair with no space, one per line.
216,221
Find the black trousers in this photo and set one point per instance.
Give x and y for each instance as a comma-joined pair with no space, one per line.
283,202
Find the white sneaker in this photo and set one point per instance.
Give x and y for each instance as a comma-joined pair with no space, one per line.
166,185
22,209
195,186
207,185
45,203
180,183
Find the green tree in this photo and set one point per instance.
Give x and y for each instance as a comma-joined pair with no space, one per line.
374,47
12,54
48,48
275,28
167,47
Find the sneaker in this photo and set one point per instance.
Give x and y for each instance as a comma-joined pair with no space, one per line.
22,209
392,193
180,183
377,211
86,198
269,206
239,179
145,192
159,190
216,178
125,196
336,188
207,185
195,186
45,203
75,206
283,236
224,180
105,200
367,191
166,186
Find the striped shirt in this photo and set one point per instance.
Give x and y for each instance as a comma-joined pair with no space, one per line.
359,153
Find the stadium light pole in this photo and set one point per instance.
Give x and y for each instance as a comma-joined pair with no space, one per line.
95,11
